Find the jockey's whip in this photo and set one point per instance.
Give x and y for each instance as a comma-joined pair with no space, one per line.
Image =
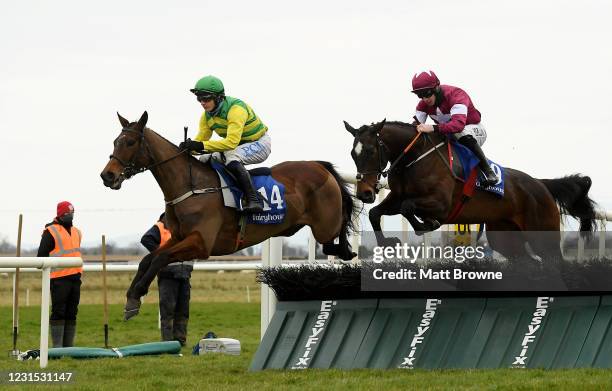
188,159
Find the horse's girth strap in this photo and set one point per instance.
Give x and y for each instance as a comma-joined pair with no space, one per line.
241,232
206,190
468,192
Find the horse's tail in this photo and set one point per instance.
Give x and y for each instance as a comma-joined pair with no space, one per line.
349,212
572,195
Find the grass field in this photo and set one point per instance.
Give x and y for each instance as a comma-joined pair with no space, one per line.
205,287
229,315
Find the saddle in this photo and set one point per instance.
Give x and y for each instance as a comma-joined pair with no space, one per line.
271,191
463,161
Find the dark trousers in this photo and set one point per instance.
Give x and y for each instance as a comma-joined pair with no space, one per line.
65,296
174,295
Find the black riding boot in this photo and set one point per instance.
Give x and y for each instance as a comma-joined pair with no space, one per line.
254,203
490,177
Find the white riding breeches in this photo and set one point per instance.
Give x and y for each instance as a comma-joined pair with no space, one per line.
477,131
248,153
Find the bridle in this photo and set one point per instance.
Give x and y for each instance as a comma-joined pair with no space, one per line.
381,149
130,168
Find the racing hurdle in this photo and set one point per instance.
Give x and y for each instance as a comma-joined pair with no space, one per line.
45,264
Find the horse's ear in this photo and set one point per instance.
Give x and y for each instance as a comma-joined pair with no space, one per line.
124,122
380,125
350,129
142,122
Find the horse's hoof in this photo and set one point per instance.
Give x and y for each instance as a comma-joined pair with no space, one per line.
348,257
433,224
132,307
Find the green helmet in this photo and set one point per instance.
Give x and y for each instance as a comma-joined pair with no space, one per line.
209,84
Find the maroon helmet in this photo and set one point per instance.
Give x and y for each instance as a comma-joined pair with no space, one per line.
424,80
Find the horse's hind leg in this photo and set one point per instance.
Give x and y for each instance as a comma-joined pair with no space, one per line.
546,245
506,240
342,249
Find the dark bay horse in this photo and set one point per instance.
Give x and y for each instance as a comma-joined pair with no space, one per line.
201,225
424,191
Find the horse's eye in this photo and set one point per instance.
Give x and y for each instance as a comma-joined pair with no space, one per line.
131,143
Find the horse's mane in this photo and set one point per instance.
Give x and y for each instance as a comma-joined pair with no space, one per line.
400,123
174,145
394,123
405,126
162,137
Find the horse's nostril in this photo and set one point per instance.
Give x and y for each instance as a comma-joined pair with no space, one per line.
108,176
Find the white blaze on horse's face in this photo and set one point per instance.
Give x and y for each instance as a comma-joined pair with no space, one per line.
358,148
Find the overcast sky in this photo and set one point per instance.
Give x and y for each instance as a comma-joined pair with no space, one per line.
539,71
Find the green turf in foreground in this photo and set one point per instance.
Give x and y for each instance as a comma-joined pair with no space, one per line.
219,372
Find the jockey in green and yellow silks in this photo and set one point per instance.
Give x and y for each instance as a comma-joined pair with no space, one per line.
244,136
235,121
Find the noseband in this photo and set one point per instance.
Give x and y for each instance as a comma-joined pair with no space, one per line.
381,150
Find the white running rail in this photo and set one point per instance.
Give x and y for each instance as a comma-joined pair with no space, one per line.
44,264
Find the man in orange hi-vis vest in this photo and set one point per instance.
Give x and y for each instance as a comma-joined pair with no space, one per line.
173,281
61,239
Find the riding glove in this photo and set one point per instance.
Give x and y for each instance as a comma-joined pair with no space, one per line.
192,145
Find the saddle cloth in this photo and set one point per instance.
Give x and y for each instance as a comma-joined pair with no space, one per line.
270,190
469,161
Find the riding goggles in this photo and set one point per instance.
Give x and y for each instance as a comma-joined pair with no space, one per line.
204,97
426,93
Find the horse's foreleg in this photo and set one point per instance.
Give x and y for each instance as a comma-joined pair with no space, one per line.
409,210
144,265
142,268
189,248
388,207
185,250
432,209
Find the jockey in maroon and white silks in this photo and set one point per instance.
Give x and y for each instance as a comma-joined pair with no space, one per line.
454,113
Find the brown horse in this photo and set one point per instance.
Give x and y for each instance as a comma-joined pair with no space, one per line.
201,225
423,187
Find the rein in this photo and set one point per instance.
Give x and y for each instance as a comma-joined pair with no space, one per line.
382,160
130,169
